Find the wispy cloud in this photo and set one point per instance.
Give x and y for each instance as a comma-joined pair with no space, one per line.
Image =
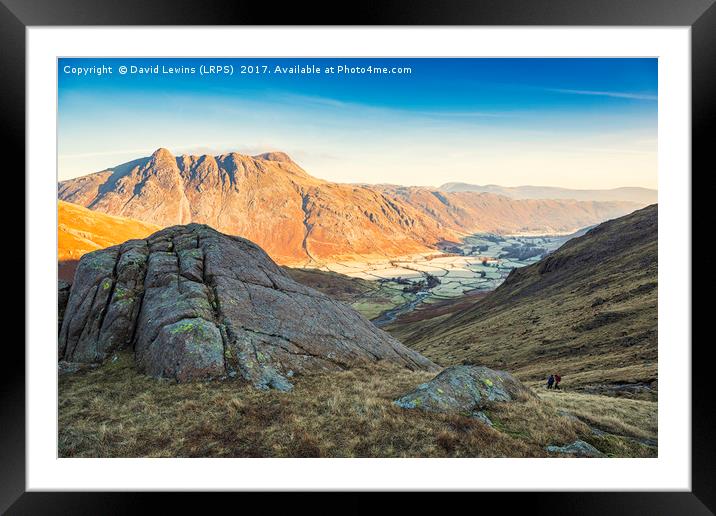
312,100
615,94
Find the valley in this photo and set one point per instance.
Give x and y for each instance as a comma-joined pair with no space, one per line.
427,258
588,310
582,304
354,296
476,265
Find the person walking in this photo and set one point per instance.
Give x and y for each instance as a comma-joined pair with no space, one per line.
550,381
557,379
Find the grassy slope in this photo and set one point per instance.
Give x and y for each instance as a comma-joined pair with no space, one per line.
587,311
338,286
80,231
113,411
620,416
369,298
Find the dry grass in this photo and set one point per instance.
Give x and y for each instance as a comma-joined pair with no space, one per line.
621,416
588,311
369,298
114,412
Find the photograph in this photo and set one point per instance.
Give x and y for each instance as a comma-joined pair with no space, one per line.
358,257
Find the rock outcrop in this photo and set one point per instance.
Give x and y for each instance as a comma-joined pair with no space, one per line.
465,389
194,303
577,449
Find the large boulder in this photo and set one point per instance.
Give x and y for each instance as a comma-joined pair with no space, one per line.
194,303
465,389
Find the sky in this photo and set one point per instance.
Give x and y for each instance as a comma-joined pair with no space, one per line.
574,123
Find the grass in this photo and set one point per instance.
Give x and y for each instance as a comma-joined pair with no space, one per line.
80,231
113,411
620,416
594,324
588,311
370,298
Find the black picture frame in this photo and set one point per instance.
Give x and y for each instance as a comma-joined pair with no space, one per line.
700,15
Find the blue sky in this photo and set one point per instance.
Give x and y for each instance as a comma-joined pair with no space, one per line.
581,123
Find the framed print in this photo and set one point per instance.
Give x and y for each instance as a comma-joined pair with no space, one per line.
418,250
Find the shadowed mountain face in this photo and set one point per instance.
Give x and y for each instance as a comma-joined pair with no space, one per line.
193,303
587,311
298,219
638,195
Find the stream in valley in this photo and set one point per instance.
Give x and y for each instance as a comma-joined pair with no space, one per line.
480,262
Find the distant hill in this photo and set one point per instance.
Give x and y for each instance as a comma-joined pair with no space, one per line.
587,311
643,196
80,231
299,219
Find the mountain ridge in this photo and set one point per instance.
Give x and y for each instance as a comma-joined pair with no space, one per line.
301,219
637,194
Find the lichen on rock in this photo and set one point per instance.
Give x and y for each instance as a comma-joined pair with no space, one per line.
193,303
465,389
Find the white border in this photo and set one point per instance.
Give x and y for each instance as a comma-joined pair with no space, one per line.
672,468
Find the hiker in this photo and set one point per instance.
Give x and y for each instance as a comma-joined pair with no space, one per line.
550,381
557,379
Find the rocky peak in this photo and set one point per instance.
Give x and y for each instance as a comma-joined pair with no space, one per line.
162,154
299,219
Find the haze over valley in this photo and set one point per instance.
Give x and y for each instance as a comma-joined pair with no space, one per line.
632,194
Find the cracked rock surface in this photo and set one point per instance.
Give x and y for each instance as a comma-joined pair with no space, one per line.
194,303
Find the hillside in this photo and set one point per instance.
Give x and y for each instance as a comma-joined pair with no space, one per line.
476,212
587,311
642,196
299,219
190,305
370,298
113,411
80,231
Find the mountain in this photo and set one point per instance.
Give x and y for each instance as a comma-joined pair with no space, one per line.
192,304
638,195
587,311
299,219
80,231
473,212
